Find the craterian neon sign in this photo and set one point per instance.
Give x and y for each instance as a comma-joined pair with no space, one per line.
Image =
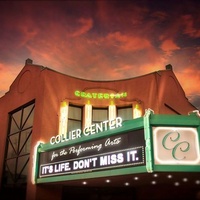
95,95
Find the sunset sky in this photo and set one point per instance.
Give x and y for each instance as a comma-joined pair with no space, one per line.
102,40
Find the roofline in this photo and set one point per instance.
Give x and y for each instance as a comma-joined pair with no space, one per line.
92,80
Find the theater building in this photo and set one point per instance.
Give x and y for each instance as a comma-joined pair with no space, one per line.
64,137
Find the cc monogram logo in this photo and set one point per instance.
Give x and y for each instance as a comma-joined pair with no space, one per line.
172,141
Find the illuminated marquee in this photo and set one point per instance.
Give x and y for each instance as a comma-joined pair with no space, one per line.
95,95
117,151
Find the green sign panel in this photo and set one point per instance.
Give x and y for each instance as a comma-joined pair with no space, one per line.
151,143
172,140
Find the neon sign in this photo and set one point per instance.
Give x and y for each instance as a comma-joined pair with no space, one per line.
89,130
95,95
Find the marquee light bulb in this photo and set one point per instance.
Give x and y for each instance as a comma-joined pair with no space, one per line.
153,182
84,183
185,179
169,176
176,183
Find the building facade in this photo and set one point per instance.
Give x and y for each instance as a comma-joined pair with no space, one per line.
42,104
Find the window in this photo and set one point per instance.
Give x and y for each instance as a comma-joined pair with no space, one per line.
126,113
99,115
74,117
18,145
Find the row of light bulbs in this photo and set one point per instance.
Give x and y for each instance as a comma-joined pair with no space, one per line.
136,178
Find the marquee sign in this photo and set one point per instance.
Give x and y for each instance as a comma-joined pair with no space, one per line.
121,150
152,143
118,150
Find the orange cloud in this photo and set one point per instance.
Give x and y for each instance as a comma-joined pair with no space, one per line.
104,41
7,76
189,79
168,46
126,42
86,25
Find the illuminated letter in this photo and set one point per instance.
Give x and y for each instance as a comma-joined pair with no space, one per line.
92,129
105,124
100,96
103,160
94,95
125,94
99,127
83,94
106,96
118,122
117,96
77,93
57,139
112,96
52,140
75,165
86,131
88,95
